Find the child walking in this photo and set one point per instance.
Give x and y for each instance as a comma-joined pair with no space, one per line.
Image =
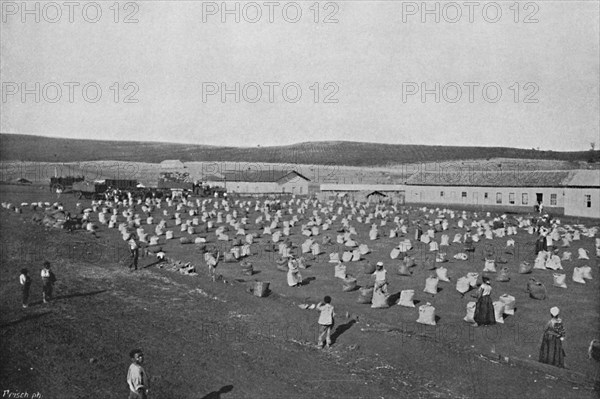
326,321
25,281
134,252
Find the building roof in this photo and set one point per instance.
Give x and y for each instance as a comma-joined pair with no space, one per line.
268,175
509,178
362,187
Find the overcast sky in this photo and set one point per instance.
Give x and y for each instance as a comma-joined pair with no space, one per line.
371,63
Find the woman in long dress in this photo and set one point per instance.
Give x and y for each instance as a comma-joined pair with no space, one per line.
468,242
418,232
294,278
541,244
484,308
551,351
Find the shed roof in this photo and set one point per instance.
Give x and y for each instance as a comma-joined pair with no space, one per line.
378,193
583,178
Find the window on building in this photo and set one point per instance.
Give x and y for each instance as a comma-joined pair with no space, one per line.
300,189
441,193
588,201
485,195
464,194
511,198
552,199
498,198
524,199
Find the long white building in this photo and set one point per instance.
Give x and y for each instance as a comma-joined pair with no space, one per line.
568,192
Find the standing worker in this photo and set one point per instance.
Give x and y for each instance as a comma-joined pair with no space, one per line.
326,322
137,379
484,308
541,243
551,351
48,280
25,281
418,232
134,251
380,274
294,278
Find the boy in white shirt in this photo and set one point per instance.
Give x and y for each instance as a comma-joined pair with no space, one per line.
137,379
380,273
160,255
25,281
134,254
48,280
326,322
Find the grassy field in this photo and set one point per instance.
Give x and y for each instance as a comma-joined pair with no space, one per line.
46,149
201,336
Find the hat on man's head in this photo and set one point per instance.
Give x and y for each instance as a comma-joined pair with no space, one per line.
554,311
379,264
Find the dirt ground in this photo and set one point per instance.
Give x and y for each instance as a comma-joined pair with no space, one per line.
205,339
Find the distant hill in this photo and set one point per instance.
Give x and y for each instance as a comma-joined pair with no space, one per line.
15,147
